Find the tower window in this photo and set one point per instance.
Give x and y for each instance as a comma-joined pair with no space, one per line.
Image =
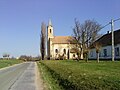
50,30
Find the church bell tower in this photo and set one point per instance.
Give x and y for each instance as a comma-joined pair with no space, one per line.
50,30
49,36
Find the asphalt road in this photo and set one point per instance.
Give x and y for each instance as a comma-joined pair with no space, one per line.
20,77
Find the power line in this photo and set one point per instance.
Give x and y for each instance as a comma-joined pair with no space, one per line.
116,19
109,23
105,26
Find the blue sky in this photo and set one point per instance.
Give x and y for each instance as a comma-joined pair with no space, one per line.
20,20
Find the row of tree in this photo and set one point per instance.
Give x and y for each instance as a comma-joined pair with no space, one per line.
29,58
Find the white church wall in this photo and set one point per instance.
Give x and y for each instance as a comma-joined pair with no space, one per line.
60,48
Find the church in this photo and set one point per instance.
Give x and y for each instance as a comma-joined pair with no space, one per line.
59,47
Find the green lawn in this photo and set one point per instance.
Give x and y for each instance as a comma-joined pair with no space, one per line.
73,75
6,63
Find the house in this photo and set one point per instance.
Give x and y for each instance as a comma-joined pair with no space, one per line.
106,46
59,47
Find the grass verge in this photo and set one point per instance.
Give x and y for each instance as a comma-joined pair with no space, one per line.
72,75
49,81
6,63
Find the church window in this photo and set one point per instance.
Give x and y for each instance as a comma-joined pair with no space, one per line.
56,50
73,55
64,51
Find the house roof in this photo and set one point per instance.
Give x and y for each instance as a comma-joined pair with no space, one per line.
61,39
106,39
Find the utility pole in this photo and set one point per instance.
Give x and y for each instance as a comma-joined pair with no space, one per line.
112,30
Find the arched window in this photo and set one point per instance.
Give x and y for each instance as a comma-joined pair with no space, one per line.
56,50
64,51
73,55
50,30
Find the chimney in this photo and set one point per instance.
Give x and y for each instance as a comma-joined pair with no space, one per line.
108,32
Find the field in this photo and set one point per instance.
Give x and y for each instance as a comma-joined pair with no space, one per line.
6,63
73,75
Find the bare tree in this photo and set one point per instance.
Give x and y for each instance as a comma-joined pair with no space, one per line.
97,46
85,34
76,48
43,40
77,39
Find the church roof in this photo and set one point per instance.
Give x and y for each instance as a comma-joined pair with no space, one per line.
62,39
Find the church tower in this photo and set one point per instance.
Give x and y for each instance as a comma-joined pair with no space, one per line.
49,36
50,30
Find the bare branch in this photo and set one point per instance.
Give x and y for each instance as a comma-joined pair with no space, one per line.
85,34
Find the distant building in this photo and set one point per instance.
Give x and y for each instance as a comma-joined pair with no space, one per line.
17,58
59,46
106,49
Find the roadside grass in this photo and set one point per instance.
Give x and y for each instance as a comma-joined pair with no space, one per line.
49,81
6,63
73,75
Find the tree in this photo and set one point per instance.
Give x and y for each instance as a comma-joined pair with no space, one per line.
97,46
85,34
43,40
77,39
25,58
76,49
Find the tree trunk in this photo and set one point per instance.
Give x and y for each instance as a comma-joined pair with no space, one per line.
98,57
86,57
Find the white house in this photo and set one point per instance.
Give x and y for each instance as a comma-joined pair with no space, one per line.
106,46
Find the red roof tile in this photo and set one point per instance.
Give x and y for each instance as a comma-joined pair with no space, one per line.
61,39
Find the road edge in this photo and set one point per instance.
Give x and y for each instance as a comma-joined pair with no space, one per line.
38,79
